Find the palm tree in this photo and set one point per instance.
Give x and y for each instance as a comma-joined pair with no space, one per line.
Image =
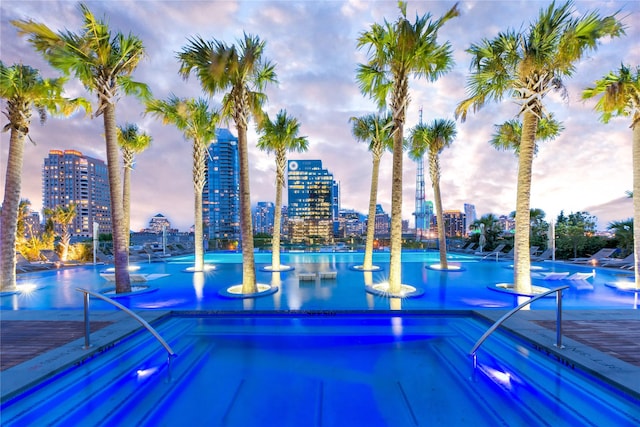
623,232
526,65
374,129
103,62
63,216
198,124
489,224
244,73
24,90
432,139
131,142
279,137
621,97
397,51
508,135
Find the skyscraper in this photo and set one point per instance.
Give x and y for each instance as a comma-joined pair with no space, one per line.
69,177
263,217
312,199
469,215
221,193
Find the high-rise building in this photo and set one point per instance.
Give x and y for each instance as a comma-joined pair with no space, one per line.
453,223
221,194
69,177
263,217
382,223
469,216
312,201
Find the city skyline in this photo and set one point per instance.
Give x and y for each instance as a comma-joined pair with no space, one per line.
588,168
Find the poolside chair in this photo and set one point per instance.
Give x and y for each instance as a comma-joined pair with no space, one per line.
555,275
496,252
23,265
580,276
329,275
547,254
307,277
618,262
471,248
461,248
595,258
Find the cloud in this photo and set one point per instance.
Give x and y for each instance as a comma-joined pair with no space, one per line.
314,47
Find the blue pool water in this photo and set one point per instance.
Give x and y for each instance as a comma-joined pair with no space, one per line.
173,288
341,370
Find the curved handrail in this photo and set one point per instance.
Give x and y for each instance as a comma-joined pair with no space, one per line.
126,310
513,311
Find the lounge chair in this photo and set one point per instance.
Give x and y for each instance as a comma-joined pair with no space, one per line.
547,254
307,276
595,258
462,248
618,262
580,276
497,251
555,275
23,265
471,248
328,274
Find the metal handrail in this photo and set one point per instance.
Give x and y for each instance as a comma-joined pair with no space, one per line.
87,329
512,312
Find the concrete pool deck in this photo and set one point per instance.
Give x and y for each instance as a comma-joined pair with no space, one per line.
604,343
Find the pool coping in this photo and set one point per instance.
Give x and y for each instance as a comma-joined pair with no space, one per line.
619,374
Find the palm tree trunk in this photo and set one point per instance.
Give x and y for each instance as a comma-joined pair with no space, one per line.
246,229
126,200
636,197
522,259
10,206
435,179
398,106
120,250
395,249
371,221
199,166
277,222
65,242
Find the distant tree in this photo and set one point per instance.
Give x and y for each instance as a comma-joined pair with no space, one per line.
198,125
623,232
375,130
131,142
620,96
492,229
103,62
573,232
432,139
280,136
24,90
525,65
63,216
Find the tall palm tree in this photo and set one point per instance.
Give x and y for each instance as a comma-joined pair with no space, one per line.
279,137
396,51
131,142
374,129
24,90
63,216
103,62
240,72
432,139
525,66
198,124
620,96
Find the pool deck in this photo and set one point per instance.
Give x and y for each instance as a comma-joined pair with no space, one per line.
36,345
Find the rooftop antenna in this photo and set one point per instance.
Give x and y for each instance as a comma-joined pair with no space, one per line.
420,208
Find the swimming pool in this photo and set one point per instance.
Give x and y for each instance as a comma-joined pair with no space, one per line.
325,370
173,288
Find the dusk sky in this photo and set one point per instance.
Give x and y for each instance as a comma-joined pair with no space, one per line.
313,43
